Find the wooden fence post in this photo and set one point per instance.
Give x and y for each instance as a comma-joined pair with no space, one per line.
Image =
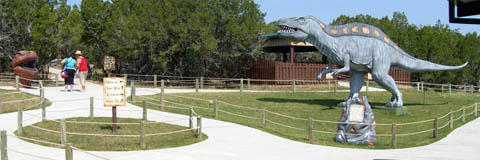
464,88
264,118
0,103
91,108
63,130
201,83
442,88
3,146
162,84
56,80
310,130
335,86
132,92
241,85
42,94
451,119
215,108
394,135
190,121
162,98
463,114
199,127
421,87
471,89
368,84
125,76
155,81
475,109
144,105
196,85
450,88
294,87
248,83
44,111
68,152
142,135
19,122
329,84
17,81
435,128
418,86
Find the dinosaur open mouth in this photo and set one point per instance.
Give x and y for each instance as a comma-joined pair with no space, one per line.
29,65
287,29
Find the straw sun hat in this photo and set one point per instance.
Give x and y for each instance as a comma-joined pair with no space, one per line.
78,52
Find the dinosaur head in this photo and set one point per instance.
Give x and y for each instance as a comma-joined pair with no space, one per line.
24,65
295,28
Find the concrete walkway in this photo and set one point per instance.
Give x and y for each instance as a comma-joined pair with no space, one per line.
226,140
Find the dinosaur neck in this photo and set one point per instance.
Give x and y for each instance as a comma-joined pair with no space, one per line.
323,42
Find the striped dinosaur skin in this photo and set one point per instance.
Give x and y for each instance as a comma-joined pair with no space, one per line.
360,49
359,29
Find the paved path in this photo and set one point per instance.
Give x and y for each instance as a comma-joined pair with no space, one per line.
226,140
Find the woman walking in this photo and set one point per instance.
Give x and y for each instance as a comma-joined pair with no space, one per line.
69,67
82,68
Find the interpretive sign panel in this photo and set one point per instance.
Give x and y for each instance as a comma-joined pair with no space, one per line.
356,113
114,91
108,63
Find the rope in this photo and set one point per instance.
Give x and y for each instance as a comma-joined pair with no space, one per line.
3,94
326,132
198,99
458,118
32,106
186,105
39,141
424,121
68,110
161,134
77,149
8,102
69,100
295,118
415,133
237,114
28,154
444,125
237,106
284,125
444,116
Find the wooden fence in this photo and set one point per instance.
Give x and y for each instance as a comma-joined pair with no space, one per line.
272,70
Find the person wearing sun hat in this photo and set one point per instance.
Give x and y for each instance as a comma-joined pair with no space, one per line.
82,69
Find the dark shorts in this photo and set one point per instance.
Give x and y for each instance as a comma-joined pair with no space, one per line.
71,76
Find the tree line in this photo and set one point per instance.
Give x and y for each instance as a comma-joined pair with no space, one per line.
207,38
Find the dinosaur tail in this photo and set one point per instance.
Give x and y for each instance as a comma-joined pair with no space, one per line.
417,65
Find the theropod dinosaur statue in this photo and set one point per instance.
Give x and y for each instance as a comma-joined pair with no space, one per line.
360,48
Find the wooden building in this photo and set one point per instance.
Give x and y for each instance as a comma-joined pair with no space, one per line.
288,69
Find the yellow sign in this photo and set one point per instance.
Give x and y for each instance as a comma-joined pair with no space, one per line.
114,92
108,63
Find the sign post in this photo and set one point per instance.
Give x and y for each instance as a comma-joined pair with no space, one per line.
113,96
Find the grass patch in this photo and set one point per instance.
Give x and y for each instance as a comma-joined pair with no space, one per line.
322,106
97,143
7,96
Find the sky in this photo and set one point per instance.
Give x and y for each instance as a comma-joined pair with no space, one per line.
418,12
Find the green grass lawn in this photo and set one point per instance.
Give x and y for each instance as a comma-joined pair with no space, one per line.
7,96
97,143
322,106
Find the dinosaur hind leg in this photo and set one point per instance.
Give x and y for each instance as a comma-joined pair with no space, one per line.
387,82
356,83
